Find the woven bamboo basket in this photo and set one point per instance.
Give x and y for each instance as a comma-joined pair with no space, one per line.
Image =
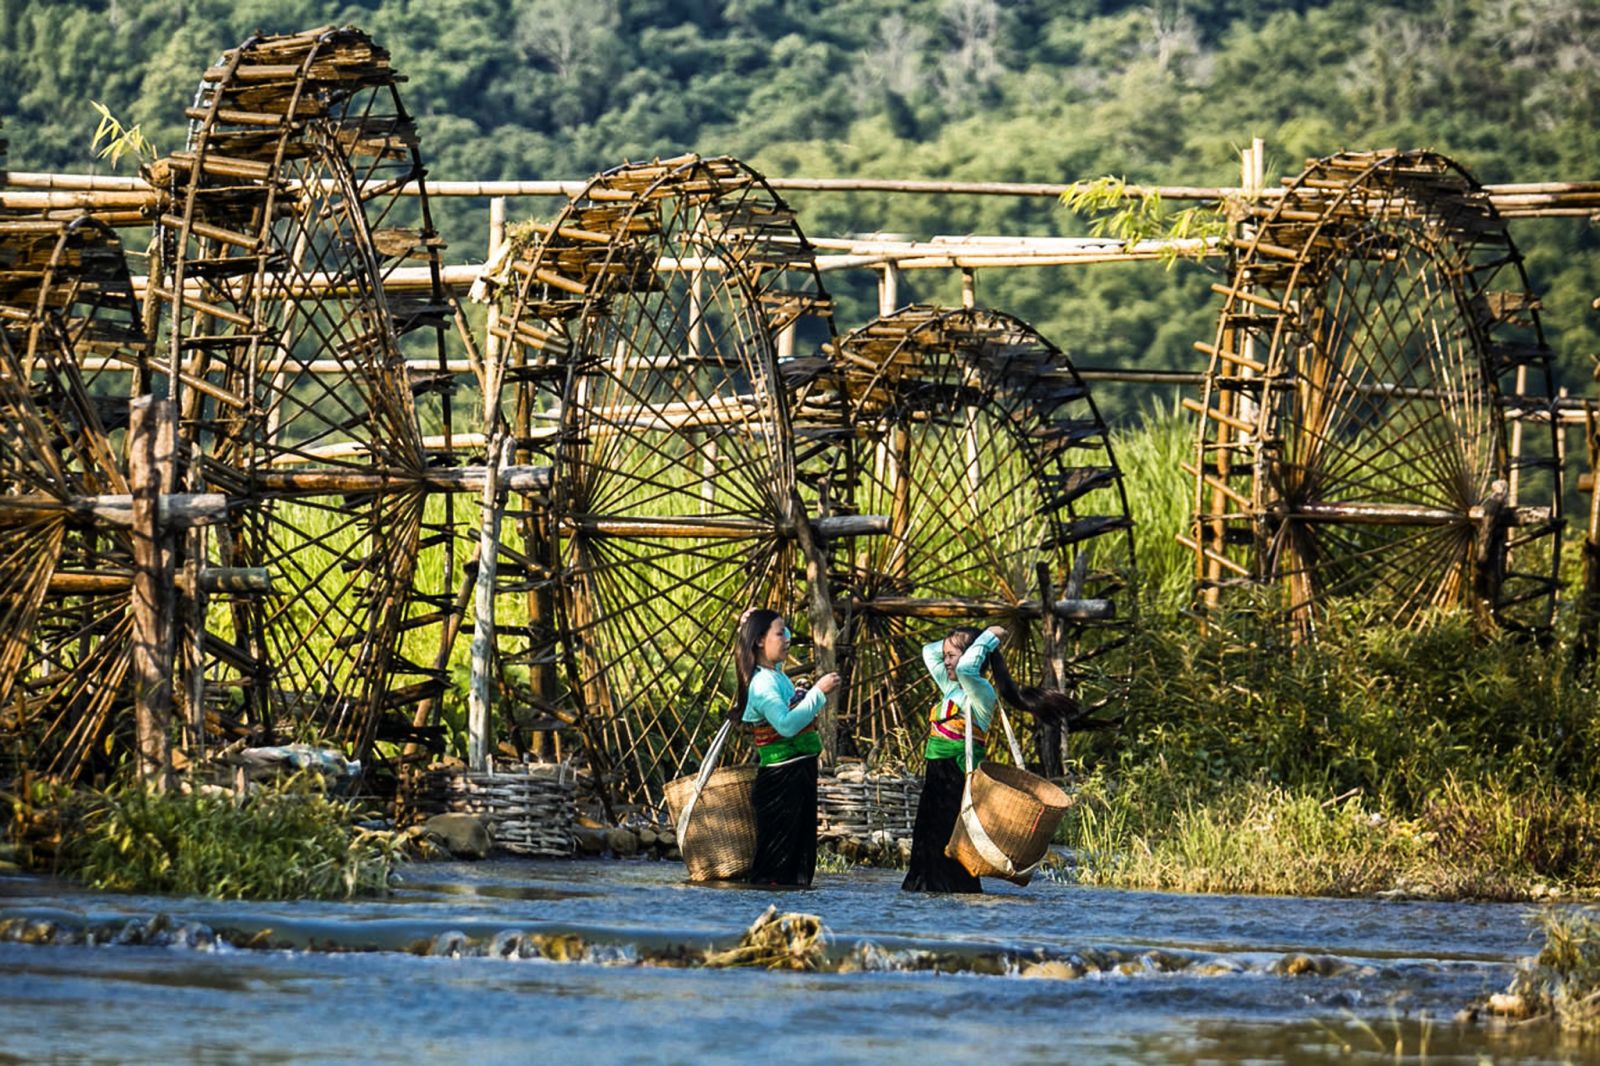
1019,811
855,805
719,843
529,808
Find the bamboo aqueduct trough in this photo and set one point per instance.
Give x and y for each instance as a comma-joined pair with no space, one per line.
266,489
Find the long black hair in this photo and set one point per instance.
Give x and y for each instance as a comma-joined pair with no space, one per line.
751,632
1047,705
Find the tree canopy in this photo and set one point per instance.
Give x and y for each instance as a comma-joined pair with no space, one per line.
1158,92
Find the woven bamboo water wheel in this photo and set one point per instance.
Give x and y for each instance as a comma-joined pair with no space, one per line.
1375,414
642,364
67,318
288,362
978,440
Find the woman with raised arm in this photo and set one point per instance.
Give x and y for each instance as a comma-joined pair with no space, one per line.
787,744
956,664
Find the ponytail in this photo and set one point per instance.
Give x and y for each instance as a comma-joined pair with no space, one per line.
751,630
1046,705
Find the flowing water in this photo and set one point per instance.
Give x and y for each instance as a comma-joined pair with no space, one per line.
440,971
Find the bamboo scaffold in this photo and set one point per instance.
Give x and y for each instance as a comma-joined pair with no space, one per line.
1363,422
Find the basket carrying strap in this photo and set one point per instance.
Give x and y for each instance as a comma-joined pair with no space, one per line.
982,843
706,769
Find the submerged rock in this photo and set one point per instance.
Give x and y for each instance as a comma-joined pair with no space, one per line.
466,836
1054,970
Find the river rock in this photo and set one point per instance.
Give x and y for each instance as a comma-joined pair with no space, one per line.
466,836
1508,1003
1053,970
647,838
622,842
591,841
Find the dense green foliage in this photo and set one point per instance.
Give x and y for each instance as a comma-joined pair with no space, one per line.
289,840
968,89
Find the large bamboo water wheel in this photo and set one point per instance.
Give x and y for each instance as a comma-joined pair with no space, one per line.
642,364
978,440
1375,414
67,317
287,359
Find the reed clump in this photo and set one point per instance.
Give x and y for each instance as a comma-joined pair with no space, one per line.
1562,982
287,840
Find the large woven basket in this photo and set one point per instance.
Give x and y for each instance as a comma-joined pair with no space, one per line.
719,843
1019,811
529,808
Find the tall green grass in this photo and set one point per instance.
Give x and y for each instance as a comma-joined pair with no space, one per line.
289,840
1160,499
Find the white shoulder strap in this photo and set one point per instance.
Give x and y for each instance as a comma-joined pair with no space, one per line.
706,769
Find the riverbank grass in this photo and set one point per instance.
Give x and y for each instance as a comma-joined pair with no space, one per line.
289,840
1431,760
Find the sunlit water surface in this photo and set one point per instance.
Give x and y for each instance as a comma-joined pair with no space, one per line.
417,977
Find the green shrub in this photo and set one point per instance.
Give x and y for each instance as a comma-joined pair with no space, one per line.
287,841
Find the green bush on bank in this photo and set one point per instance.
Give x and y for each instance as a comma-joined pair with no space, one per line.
289,840
1433,759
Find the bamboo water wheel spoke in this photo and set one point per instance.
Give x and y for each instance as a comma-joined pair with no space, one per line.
1363,429
982,445
646,323
65,651
286,219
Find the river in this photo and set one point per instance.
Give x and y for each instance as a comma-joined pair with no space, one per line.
433,973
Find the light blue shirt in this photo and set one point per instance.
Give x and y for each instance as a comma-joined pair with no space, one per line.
971,691
769,697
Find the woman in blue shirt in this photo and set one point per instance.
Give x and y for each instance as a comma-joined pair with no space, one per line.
787,744
956,664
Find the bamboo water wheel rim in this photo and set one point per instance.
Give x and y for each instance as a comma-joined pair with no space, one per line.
645,319
1284,494
65,645
279,237
1002,443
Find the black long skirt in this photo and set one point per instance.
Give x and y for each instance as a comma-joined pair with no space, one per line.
937,811
785,798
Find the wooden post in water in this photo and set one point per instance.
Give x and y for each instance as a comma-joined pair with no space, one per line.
1047,735
479,719
151,441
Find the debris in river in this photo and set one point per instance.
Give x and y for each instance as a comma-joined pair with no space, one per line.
777,942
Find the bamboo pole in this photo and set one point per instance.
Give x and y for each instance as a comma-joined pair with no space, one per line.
497,237
1074,610
1512,192
151,440
479,708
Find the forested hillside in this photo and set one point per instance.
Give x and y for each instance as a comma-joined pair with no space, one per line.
974,89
